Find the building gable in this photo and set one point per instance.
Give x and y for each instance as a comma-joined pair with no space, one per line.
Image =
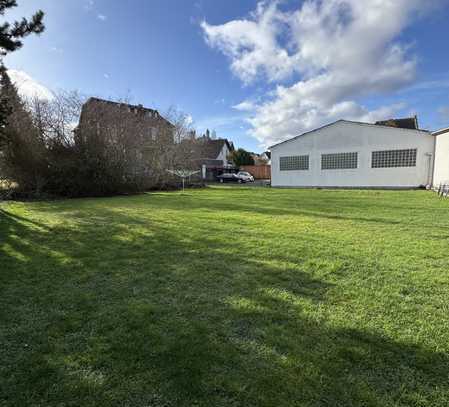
353,154
353,124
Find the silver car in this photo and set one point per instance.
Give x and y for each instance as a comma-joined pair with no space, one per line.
245,176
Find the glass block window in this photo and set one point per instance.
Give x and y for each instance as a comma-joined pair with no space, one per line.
393,158
339,161
294,163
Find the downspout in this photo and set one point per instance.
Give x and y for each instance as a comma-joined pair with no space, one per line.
434,158
429,171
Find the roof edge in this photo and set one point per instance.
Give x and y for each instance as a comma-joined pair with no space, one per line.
440,131
106,101
111,102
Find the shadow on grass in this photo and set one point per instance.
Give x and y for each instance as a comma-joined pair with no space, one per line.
6,214
132,312
318,204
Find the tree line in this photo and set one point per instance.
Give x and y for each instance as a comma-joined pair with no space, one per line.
48,149
66,147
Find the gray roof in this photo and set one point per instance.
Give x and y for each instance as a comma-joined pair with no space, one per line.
210,148
347,121
92,101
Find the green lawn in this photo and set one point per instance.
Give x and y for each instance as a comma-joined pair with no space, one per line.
226,297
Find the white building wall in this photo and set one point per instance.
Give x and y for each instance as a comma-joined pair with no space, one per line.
441,170
345,137
223,155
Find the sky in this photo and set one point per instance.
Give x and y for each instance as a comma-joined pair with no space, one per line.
256,72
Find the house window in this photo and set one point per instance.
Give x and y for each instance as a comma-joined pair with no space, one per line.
294,163
394,158
154,132
339,161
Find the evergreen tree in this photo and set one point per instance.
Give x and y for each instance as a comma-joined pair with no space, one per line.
241,157
23,151
5,107
11,35
9,98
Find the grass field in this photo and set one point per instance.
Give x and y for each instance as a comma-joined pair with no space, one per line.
226,297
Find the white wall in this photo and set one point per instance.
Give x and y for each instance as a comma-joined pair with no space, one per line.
342,137
224,154
441,171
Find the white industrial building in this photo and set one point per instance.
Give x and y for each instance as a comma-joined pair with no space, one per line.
361,155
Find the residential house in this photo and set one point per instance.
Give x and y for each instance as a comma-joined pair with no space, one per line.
267,156
115,119
404,123
214,153
136,139
211,155
262,158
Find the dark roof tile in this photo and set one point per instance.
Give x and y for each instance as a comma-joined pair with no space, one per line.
405,123
210,148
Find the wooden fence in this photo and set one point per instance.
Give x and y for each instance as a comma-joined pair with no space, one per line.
258,171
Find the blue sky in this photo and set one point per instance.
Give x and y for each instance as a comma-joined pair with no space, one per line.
256,72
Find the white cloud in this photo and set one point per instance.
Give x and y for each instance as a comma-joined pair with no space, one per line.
28,87
339,51
102,17
89,5
245,106
252,44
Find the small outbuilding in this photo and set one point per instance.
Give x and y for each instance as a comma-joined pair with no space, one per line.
441,168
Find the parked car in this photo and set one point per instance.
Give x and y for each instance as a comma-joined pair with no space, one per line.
246,176
229,177
240,177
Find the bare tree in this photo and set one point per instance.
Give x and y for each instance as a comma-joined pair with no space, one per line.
115,148
57,118
135,145
182,153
